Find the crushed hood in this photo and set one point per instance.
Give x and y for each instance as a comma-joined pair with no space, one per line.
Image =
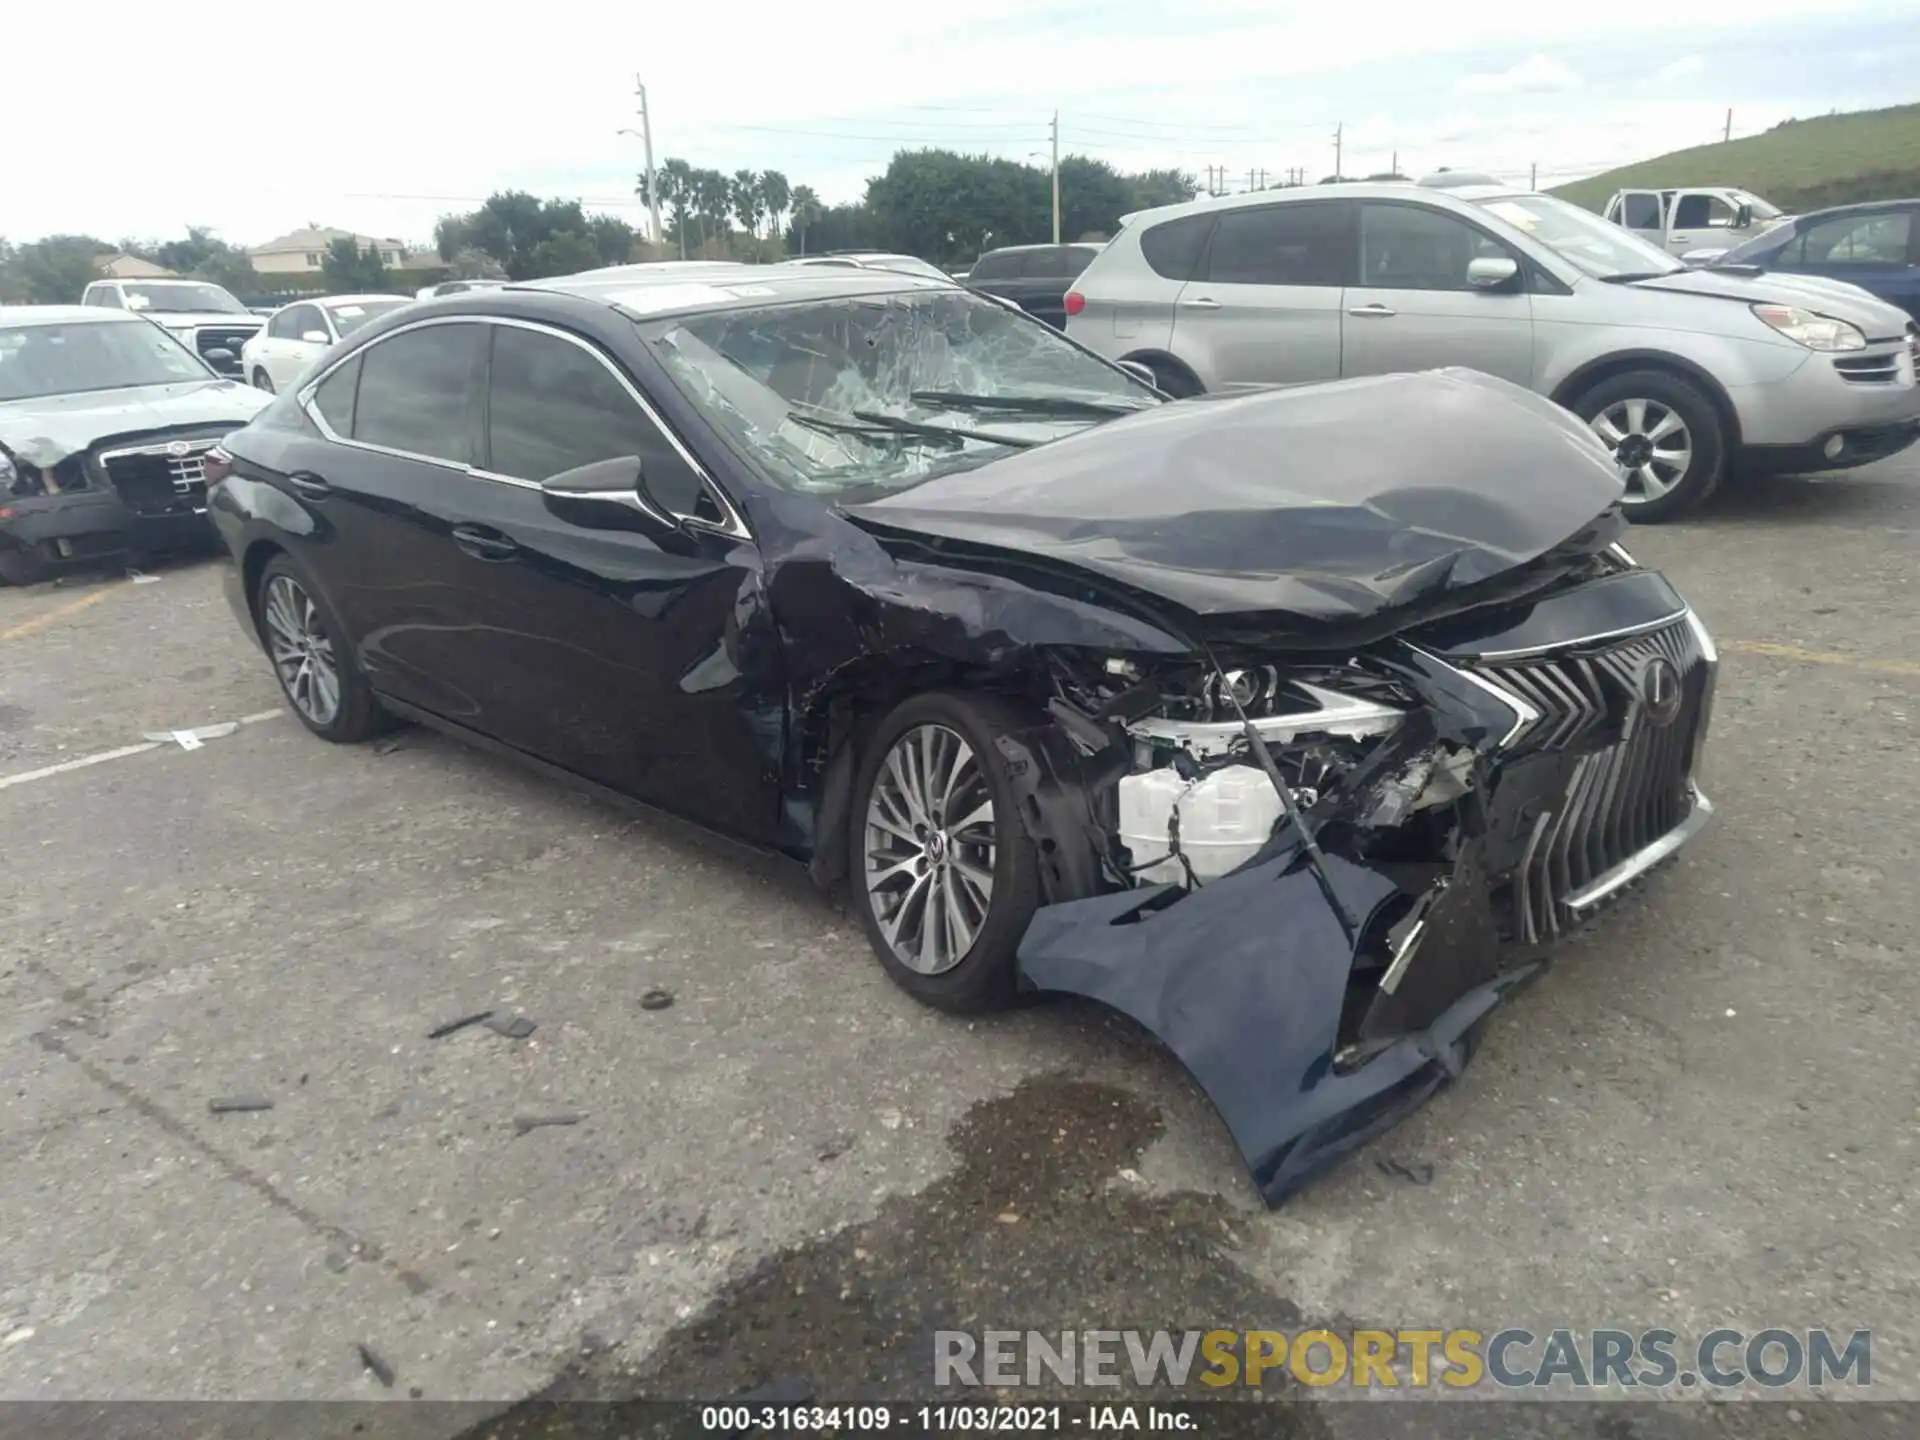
1322,503
47,429
1835,298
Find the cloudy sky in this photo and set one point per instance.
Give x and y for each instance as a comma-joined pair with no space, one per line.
255,119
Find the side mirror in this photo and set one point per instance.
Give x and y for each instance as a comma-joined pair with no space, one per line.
1743,217
1140,371
219,357
316,337
1490,272
606,495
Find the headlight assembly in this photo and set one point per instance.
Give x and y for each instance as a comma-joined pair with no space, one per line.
1816,332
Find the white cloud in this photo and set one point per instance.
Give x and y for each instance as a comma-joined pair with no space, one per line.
1533,75
430,118
1679,70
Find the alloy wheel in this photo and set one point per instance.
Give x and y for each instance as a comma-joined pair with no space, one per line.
301,650
1650,443
930,849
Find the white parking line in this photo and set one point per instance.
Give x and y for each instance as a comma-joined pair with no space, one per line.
47,772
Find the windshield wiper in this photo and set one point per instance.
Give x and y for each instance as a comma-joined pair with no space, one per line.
1022,404
873,425
1632,275
905,426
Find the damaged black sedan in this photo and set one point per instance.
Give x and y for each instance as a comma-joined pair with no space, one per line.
1294,725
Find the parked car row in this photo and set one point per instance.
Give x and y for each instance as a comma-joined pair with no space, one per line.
1290,723
1686,374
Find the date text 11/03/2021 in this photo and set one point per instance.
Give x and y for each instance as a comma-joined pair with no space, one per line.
944,1419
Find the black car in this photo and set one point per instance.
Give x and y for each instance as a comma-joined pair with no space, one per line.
105,420
1292,724
1035,277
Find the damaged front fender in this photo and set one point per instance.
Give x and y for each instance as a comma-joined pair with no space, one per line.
1246,980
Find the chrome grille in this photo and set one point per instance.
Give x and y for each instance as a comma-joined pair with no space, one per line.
155,480
1632,785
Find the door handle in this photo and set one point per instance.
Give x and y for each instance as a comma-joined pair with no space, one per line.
484,544
1201,302
309,484
1375,311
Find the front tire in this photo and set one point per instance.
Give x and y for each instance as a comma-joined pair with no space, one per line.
945,876
263,381
312,660
1665,434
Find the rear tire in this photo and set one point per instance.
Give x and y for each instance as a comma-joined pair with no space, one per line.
944,875
20,566
1667,435
312,657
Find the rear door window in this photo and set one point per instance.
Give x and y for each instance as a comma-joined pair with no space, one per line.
1173,248
334,397
1297,244
1857,240
416,392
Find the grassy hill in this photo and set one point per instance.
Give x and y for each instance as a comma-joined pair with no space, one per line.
1800,165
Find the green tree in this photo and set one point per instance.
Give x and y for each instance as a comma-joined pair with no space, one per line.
55,270
945,207
565,252
676,193
1092,198
612,238
713,201
806,211
202,255
349,270
1150,188
745,195
775,195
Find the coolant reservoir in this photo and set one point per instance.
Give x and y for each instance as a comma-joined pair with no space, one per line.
1224,820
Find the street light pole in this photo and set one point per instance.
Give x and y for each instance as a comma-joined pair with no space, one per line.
653,180
1056,177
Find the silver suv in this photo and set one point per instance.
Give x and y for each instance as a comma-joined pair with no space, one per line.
1684,373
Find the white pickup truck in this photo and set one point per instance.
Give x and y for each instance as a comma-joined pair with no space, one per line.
1695,223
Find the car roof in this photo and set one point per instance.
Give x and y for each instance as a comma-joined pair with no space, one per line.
1442,198
16,317
720,285
1044,245
151,280
332,300
1860,207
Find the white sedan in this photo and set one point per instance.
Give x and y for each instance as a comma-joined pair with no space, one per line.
298,334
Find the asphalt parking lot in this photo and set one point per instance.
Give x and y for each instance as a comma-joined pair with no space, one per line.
1704,1115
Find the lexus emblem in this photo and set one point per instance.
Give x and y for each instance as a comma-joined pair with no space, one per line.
1660,692
178,449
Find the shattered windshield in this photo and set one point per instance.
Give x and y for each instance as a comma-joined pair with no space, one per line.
181,299
67,359
887,390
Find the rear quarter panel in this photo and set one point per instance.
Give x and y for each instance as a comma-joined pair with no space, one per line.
1129,309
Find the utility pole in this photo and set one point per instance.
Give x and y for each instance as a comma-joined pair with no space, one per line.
1056,177
653,180
1727,134
1339,134
1394,169
1533,176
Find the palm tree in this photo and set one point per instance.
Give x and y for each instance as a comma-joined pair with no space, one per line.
774,196
676,193
746,199
715,196
806,210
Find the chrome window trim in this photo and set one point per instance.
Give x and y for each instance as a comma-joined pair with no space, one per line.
734,525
